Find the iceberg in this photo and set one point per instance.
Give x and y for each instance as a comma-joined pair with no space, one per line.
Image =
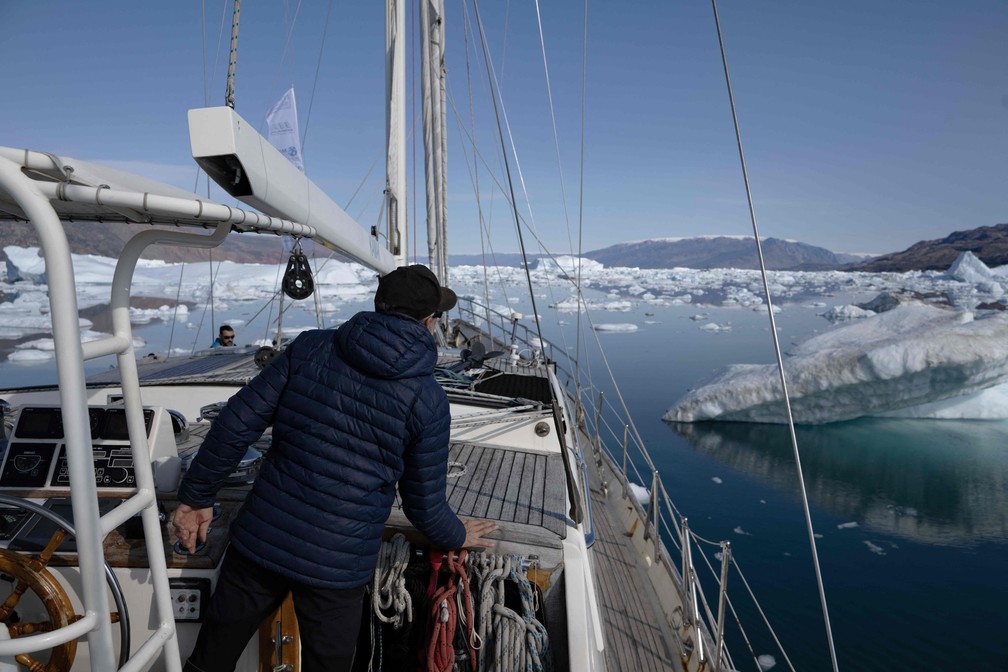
616,327
916,360
567,264
967,268
25,265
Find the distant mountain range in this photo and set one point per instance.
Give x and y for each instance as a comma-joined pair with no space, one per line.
989,244
720,252
700,252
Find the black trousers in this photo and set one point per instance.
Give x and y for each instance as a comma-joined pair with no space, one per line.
328,620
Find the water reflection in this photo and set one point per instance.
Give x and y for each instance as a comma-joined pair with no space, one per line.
934,482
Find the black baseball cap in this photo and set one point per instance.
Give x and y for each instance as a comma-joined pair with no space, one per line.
414,291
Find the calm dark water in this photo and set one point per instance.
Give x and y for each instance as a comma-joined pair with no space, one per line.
913,515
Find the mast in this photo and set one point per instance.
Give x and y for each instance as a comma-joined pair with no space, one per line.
395,128
435,143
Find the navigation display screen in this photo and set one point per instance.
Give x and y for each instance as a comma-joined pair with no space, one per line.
115,429
40,423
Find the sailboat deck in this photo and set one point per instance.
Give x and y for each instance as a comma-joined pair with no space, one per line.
636,638
230,366
516,487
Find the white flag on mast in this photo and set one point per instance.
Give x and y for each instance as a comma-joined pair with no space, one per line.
283,128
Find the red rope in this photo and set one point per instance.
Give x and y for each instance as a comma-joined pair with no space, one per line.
436,560
444,613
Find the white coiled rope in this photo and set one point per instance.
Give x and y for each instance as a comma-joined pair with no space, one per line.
517,642
391,602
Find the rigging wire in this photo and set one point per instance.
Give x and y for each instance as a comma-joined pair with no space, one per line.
486,241
556,136
276,292
178,295
493,79
777,347
199,327
412,37
283,58
584,99
500,186
229,92
206,93
217,51
474,175
507,167
318,66
581,299
563,189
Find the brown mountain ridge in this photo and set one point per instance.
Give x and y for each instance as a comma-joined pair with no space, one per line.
989,244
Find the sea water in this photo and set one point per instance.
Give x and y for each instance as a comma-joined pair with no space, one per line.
910,516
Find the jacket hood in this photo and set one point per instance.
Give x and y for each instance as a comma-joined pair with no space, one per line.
387,345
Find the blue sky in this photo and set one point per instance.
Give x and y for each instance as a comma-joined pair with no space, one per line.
867,126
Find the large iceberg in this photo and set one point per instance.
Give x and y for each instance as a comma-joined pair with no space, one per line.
916,360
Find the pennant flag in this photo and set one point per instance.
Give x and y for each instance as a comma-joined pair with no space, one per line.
283,128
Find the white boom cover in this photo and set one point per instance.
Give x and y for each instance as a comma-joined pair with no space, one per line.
249,168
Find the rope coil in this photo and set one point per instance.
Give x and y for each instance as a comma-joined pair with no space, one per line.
388,590
481,611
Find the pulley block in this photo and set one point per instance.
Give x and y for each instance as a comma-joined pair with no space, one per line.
297,279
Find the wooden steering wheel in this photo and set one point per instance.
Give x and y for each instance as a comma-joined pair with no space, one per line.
30,573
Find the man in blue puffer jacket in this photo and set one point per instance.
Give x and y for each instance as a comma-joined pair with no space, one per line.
354,412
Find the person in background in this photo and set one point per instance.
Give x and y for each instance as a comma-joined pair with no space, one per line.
225,337
356,413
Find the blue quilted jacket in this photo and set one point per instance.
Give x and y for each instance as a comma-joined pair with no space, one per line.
354,411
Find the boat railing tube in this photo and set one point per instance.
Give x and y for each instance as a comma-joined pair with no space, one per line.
27,193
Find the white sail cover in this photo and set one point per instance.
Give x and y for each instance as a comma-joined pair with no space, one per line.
395,127
435,142
246,166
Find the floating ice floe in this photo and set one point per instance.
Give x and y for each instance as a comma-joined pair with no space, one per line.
15,323
43,349
623,328
29,355
874,548
165,313
844,313
567,264
715,328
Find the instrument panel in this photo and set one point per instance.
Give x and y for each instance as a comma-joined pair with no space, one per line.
36,454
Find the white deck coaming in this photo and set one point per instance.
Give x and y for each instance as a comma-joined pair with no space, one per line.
187,401
503,427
